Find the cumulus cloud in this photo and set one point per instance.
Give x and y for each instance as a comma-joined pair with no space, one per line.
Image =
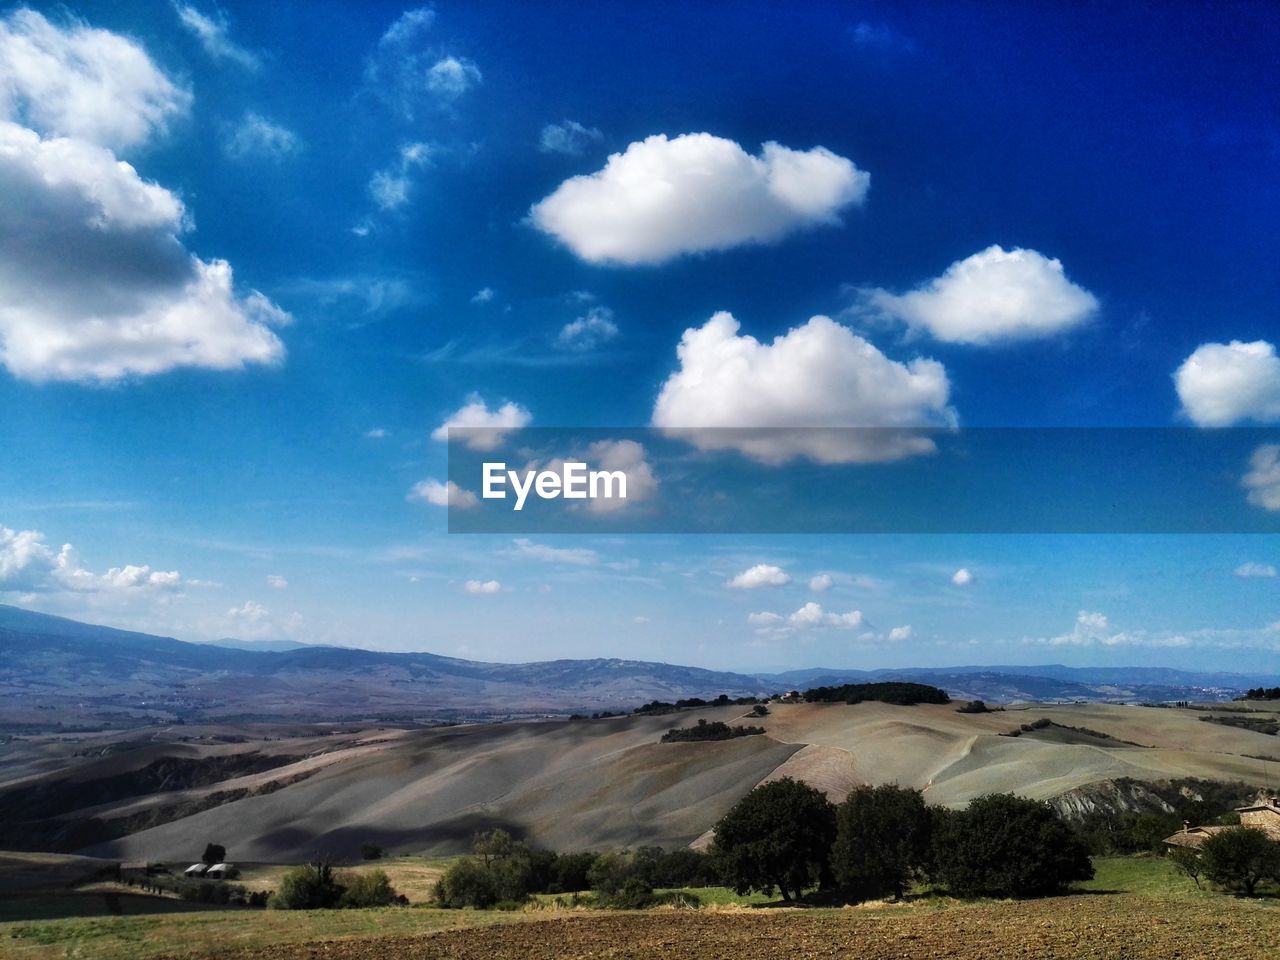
443,494
576,556
593,328
391,186
761,575
277,582
77,81
1255,570
1262,481
570,138
809,616
255,136
484,295
818,375
482,586
481,428
994,295
1222,384
250,612
28,564
663,197
900,634
962,577
821,583
214,35
451,77
629,458
95,284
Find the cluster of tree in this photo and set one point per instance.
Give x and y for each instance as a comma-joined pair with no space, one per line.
660,707
901,694
504,872
1256,724
317,886
1263,693
715,730
788,836
1237,859
199,891
973,706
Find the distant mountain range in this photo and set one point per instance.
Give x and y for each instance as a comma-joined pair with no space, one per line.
59,671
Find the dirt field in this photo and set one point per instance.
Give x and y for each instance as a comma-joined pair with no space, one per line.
1080,928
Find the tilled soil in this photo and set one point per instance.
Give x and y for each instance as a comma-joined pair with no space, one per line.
1078,928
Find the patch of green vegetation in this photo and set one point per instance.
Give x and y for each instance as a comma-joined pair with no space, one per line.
901,694
715,730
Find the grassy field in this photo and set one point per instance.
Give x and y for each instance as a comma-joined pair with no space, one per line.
1138,899
414,877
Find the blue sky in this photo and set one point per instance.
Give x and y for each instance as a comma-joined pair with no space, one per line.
343,226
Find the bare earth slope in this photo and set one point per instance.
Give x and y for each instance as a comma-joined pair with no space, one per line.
288,794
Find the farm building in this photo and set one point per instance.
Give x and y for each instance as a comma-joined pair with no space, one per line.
1263,815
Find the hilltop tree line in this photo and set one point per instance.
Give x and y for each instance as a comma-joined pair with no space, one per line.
1263,693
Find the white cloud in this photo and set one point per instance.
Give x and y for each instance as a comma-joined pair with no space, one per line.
576,556
485,295
406,72
443,494
256,136
962,577
251,612
391,186
28,564
628,457
76,81
277,582
994,295
482,586
95,284
665,197
1263,479
900,634
821,583
1222,384
1255,570
377,433
1094,629
481,428
761,575
570,138
588,331
809,616
214,35
818,375
451,77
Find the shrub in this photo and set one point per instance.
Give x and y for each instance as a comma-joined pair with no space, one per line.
1007,846
1238,858
778,835
973,706
610,873
882,839
570,872
371,888
312,887
370,851
759,710
467,883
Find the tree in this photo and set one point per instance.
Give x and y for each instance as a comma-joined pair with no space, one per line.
1238,858
371,888
610,872
214,853
1007,846
571,871
882,838
1188,863
313,887
492,845
778,835
467,883
370,851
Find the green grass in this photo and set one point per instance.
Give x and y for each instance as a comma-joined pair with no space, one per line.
1151,876
722,896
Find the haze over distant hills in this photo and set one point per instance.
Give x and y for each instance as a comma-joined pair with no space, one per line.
58,670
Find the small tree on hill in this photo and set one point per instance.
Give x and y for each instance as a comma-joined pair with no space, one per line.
778,835
1239,858
1188,863
1007,846
313,887
882,838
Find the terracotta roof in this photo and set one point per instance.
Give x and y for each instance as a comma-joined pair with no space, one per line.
1193,837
